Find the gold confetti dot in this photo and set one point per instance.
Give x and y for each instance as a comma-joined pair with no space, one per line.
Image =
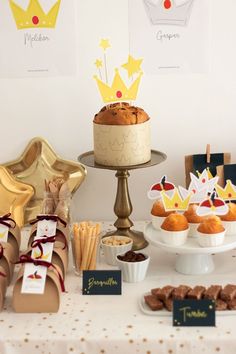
82,339
181,345
172,335
161,341
131,341
129,326
71,349
10,326
36,346
26,340
170,351
217,349
148,352
126,334
200,337
144,339
102,351
104,329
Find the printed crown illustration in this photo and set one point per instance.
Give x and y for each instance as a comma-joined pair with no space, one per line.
34,16
175,202
227,193
167,12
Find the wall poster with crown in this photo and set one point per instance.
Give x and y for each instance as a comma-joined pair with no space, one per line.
171,34
37,38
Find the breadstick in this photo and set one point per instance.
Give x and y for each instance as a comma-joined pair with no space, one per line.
77,248
85,253
94,253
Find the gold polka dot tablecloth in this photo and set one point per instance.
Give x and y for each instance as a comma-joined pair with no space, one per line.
115,324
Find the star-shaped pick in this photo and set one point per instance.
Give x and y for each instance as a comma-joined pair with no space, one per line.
38,163
14,196
133,65
104,44
98,63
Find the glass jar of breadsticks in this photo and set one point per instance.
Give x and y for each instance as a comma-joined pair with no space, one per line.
57,199
85,242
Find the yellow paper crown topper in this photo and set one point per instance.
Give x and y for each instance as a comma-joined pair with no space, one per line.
209,174
175,203
34,16
227,193
118,91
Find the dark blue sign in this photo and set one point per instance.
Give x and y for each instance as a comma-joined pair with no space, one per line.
194,313
101,282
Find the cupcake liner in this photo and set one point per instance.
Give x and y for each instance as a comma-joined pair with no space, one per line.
210,240
193,229
230,227
174,238
133,272
157,221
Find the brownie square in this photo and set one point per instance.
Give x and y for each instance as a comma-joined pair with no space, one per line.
180,292
221,305
169,304
196,293
228,293
232,304
164,293
213,292
153,302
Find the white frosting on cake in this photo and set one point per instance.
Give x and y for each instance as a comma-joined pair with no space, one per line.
122,145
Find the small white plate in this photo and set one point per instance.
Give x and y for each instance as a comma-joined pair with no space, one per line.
147,311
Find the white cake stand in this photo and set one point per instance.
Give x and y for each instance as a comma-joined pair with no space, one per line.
192,259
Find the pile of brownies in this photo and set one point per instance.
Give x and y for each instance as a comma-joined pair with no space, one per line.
162,298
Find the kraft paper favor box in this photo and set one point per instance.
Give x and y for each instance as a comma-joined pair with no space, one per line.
59,258
6,262
61,230
14,238
49,302
3,287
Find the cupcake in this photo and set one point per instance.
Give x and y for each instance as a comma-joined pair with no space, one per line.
159,214
174,229
229,220
211,232
193,219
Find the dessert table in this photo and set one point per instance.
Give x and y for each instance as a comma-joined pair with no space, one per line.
115,324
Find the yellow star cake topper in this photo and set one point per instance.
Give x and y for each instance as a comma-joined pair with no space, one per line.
38,163
118,90
133,66
34,16
98,63
227,193
104,44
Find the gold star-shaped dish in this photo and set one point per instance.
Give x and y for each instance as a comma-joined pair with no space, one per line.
38,163
14,196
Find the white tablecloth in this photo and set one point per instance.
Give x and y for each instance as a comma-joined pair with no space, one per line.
115,324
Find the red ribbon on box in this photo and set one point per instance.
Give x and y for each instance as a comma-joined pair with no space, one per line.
2,275
6,221
1,250
38,243
48,217
39,262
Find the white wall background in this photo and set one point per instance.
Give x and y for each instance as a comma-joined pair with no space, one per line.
187,111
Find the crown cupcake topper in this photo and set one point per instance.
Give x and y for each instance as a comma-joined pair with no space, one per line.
175,202
169,12
204,180
212,206
34,16
118,90
163,185
227,193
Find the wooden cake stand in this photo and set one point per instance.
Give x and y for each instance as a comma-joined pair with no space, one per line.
123,206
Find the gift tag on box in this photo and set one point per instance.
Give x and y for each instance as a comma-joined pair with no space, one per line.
190,313
101,282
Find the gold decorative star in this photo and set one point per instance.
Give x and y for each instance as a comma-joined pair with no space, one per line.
98,63
132,66
14,196
104,44
38,163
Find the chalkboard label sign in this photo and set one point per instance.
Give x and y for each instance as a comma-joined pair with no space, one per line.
101,282
194,313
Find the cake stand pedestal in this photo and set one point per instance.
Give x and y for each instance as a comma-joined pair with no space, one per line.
192,259
123,206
